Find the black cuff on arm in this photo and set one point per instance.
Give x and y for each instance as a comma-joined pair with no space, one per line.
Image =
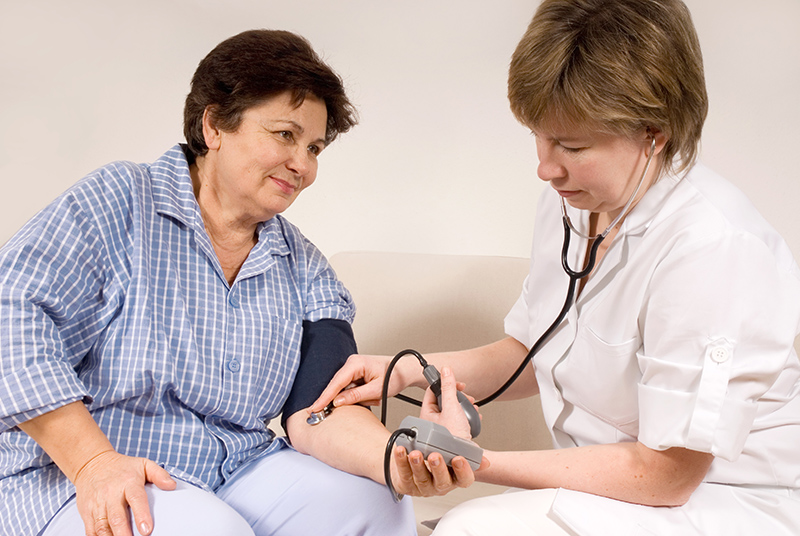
326,345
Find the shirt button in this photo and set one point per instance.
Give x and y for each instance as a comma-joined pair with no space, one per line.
234,365
233,300
557,393
719,355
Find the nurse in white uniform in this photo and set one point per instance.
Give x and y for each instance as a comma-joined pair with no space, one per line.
671,389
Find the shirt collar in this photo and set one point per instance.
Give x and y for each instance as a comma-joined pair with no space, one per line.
173,196
640,217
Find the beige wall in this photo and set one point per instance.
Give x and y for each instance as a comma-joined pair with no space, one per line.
438,164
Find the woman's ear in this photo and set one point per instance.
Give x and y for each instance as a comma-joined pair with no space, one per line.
659,136
211,134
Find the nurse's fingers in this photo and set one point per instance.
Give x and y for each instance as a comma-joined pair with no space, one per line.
443,479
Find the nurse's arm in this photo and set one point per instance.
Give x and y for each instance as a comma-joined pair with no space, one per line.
486,368
483,370
629,472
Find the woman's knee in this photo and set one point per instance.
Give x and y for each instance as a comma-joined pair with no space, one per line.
191,510
305,496
185,510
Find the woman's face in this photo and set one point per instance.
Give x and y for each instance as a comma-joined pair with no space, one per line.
593,171
260,169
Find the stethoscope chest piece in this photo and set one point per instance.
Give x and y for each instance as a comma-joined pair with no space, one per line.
319,416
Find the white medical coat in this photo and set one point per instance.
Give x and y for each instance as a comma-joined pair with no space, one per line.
683,337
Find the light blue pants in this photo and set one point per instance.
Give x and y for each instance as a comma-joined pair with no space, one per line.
284,493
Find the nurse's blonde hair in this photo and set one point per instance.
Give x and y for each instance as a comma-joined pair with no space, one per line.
620,66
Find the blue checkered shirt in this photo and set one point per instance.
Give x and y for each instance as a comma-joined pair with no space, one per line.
113,295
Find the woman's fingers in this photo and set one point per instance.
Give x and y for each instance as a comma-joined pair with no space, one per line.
451,415
159,476
442,477
423,480
418,477
140,510
111,490
449,390
118,518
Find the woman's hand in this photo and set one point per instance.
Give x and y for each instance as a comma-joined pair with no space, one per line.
106,482
109,484
360,381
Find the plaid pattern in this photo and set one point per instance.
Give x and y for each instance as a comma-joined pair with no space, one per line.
113,295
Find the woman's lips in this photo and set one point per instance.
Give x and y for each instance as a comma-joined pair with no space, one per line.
568,193
285,186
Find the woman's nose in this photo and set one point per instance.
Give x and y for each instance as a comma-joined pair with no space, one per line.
549,167
300,161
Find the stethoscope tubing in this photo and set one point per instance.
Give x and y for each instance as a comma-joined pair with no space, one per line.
574,275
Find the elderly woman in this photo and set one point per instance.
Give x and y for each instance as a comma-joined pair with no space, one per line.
154,318
671,388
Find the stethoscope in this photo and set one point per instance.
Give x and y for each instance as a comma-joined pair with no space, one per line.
574,275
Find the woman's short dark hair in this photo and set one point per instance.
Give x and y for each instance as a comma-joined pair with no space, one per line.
253,66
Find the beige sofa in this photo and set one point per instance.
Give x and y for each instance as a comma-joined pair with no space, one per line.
441,302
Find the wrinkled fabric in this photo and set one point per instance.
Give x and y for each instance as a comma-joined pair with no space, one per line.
113,295
682,337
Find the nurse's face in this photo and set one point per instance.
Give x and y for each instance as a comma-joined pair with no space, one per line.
593,171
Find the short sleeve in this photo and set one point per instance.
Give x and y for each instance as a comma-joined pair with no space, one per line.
327,297
324,296
718,322
517,322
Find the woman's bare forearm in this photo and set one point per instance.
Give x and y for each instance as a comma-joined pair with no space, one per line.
70,436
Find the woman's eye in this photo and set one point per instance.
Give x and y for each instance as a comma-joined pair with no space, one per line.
314,149
286,134
572,150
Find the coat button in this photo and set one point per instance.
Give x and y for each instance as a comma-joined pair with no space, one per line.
719,355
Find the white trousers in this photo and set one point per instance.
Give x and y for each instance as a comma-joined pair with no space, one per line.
713,509
284,493
514,513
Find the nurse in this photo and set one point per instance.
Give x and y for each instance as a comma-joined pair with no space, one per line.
671,389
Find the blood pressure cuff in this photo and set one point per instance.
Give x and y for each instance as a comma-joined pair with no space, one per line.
326,345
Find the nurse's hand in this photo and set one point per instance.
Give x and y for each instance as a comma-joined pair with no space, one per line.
365,373
360,381
451,415
109,484
416,476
